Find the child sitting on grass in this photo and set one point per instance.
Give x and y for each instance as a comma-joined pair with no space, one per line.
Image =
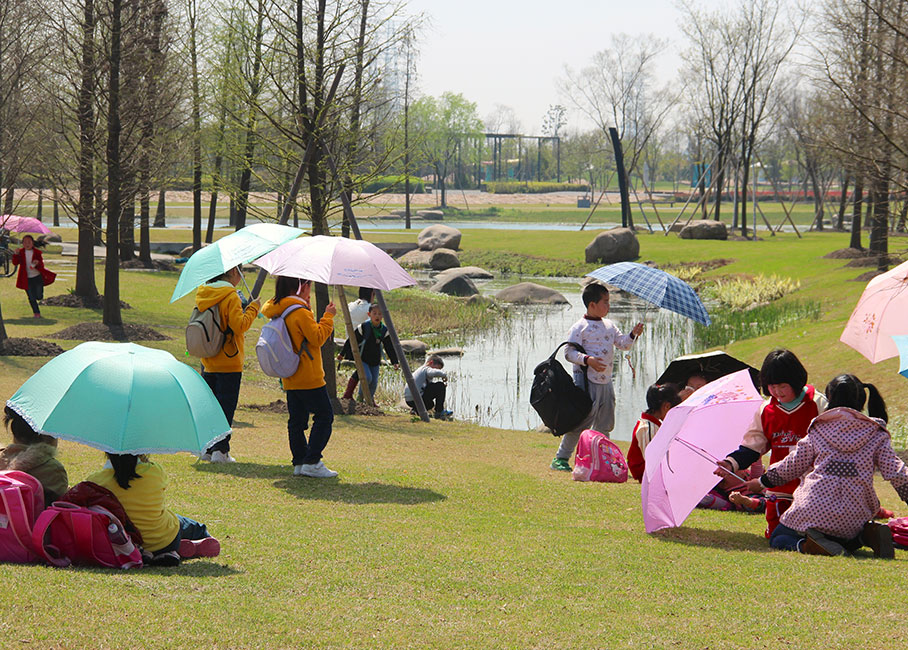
34,454
659,400
139,485
831,510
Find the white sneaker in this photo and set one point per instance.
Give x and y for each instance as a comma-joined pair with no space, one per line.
318,470
222,457
205,456
297,469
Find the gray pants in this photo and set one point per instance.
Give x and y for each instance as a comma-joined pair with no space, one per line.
601,418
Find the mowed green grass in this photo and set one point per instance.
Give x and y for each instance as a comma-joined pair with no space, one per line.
447,535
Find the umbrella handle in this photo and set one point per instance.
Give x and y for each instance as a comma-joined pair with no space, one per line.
248,290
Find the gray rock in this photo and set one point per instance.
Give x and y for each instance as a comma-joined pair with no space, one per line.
439,236
443,259
414,347
447,352
187,251
456,286
51,238
431,215
415,259
531,293
615,245
472,272
704,229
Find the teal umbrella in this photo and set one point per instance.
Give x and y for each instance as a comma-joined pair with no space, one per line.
240,247
122,398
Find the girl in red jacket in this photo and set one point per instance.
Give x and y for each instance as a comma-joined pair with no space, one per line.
32,276
660,398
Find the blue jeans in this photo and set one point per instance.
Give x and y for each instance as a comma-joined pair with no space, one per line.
226,388
300,403
784,538
372,376
189,529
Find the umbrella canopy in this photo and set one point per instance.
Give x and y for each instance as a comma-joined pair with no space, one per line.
336,260
881,312
15,223
711,365
122,398
655,286
682,456
901,342
237,248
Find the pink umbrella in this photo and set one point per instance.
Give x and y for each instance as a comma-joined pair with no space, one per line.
681,458
336,260
14,223
881,313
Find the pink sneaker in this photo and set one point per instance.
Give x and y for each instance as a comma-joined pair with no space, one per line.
208,547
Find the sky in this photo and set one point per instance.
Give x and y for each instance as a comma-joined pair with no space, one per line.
511,52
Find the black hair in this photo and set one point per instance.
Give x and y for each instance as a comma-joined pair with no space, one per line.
782,367
223,276
365,293
286,286
124,467
848,390
659,394
437,360
22,431
593,292
37,243
374,306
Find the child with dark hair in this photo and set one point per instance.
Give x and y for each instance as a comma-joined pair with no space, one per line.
139,485
832,508
599,337
659,400
371,337
431,382
32,276
359,314
34,454
778,426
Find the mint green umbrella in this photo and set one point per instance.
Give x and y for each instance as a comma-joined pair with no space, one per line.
122,398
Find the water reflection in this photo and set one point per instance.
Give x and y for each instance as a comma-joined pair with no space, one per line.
491,383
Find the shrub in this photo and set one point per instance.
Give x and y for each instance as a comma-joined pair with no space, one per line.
533,187
746,292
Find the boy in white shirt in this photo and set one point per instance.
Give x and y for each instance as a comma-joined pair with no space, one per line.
599,337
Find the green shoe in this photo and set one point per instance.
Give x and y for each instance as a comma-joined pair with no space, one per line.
561,464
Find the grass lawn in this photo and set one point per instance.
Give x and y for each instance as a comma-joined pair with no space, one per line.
448,535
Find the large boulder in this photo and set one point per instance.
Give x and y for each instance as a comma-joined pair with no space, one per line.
187,251
414,347
456,286
51,237
531,293
615,245
704,229
443,259
438,236
472,272
431,215
415,259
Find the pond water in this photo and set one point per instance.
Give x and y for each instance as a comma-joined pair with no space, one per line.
490,384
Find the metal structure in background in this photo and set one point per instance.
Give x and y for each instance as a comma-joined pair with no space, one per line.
498,168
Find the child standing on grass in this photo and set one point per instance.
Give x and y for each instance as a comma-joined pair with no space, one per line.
831,510
371,336
778,426
659,400
359,314
599,337
139,485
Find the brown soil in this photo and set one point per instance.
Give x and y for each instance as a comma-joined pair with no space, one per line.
873,260
155,265
71,300
347,407
867,277
101,332
26,347
277,406
847,254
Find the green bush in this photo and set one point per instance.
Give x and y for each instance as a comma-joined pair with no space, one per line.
532,187
393,184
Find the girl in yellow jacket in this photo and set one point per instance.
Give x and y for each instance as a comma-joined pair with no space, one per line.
224,371
306,392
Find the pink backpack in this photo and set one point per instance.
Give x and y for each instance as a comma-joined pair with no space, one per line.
899,527
599,459
21,500
67,534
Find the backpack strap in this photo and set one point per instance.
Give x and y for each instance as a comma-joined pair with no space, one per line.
303,347
39,542
579,348
17,512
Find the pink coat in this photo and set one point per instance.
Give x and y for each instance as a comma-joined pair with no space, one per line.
839,455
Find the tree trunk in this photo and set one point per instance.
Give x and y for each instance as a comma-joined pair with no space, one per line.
857,201
127,224
843,202
112,316
85,209
144,222
40,209
196,132
160,220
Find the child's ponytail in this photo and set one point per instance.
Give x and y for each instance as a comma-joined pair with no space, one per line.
849,391
876,406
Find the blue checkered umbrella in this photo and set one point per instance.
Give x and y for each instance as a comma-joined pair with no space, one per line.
655,286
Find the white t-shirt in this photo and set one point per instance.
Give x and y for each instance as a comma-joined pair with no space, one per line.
29,254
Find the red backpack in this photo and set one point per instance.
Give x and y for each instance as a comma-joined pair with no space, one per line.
899,527
21,501
67,534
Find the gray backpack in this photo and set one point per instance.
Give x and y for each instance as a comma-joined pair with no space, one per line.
274,349
204,336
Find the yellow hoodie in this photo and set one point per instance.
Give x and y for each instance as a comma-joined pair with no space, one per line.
301,323
230,358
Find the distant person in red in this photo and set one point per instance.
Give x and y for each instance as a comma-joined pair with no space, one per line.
659,400
32,277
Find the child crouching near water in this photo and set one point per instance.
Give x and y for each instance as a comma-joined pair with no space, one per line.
139,484
831,510
660,398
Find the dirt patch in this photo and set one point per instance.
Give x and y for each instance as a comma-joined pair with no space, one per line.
867,277
706,265
72,300
847,254
347,407
102,332
277,406
874,260
156,265
27,347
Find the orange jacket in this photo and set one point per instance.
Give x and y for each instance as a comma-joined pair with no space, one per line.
301,324
230,358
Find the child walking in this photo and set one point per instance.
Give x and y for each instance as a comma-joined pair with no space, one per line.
778,426
659,400
371,336
832,509
599,337
34,454
139,484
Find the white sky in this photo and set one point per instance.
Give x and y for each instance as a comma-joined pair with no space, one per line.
511,52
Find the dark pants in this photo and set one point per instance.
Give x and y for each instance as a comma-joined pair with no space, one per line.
786,539
226,388
300,403
35,292
189,529
433,396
